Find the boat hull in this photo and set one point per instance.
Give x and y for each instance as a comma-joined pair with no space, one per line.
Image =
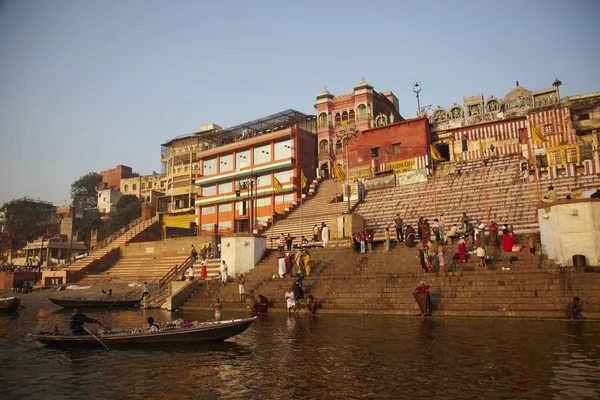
94,303
9,304
206,333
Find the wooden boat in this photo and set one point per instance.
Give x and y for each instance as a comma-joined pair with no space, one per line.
93,303
9,303
204,332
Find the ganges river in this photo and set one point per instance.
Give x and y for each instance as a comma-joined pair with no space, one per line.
310,357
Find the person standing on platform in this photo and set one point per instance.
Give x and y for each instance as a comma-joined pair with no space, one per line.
316,233
325,235
442,225
203,271
291,301
194,253
145,290
288,242
191,272
399,228
281,243
242,288
223,271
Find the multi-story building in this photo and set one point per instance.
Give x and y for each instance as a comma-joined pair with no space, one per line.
339,117
107,200
145,187
111,179
253,171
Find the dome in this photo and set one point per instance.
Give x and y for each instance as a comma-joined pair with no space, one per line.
362,85
517,97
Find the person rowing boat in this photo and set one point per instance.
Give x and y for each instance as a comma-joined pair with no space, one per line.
78,319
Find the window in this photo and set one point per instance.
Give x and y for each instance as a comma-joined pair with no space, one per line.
262,154
207,227
548,129
209,166
362,111
126,188
338,119
134,186
209,190
285,198
263,202
375,152
143,186
344,116
284,177
464,146
147,199
322,119
162,184
264,180
226,163
224,208
584,117
396,149
225,225
242,159
226,187
283,149
323,147
208,210
351,116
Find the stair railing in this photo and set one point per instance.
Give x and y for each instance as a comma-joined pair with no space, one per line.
175,272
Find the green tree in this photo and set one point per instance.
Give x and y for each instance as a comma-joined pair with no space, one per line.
27,219
84,191
128,209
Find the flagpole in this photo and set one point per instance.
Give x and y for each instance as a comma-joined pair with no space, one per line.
337,212
484,177
273,216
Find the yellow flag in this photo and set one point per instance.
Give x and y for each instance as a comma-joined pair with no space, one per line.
435,154
277,185
339,172
537,136
481,147
302,179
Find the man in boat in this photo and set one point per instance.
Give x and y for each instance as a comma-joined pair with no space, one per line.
423,299
152,326
78,319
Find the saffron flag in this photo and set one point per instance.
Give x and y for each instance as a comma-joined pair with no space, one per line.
537,136
277,185
339,173
481,147
303,181
435,154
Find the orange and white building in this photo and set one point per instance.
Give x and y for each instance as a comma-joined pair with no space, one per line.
254,172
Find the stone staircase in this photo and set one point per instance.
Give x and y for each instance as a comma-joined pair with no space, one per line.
117,240
510,199
382,283
314,210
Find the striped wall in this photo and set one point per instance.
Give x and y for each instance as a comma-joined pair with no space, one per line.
562,128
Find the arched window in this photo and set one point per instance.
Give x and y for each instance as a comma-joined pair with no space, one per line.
338,119
338,147
323,147
362,111
147,199
126,188
351,116
323,119
344,116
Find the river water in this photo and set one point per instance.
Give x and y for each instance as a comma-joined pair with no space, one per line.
312,357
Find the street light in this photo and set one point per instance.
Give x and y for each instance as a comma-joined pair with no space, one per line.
417,90
247,185
345,135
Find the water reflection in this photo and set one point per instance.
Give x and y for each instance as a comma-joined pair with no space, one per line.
306,356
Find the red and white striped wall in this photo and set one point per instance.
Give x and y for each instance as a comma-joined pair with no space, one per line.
562,127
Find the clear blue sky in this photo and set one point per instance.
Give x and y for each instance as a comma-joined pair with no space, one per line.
86,85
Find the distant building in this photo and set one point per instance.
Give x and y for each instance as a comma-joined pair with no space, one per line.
339,116
107,200
111,179
143,187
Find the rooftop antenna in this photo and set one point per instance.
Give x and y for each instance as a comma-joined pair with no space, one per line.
417,90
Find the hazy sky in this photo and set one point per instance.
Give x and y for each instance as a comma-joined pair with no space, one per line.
86,85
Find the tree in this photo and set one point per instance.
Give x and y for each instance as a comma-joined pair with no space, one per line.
84,191
128,209
26,219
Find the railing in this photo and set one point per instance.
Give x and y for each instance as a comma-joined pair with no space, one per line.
121,231
175,272
139,228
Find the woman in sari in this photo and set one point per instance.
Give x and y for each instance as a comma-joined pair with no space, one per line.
508,239
425,231
462,250
307,263
203,272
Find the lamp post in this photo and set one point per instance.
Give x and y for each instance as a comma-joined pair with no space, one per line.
417,90
345,135
247,185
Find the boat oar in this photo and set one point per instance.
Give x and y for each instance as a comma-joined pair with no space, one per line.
96,337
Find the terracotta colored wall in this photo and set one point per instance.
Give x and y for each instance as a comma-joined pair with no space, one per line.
413,136
113,177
